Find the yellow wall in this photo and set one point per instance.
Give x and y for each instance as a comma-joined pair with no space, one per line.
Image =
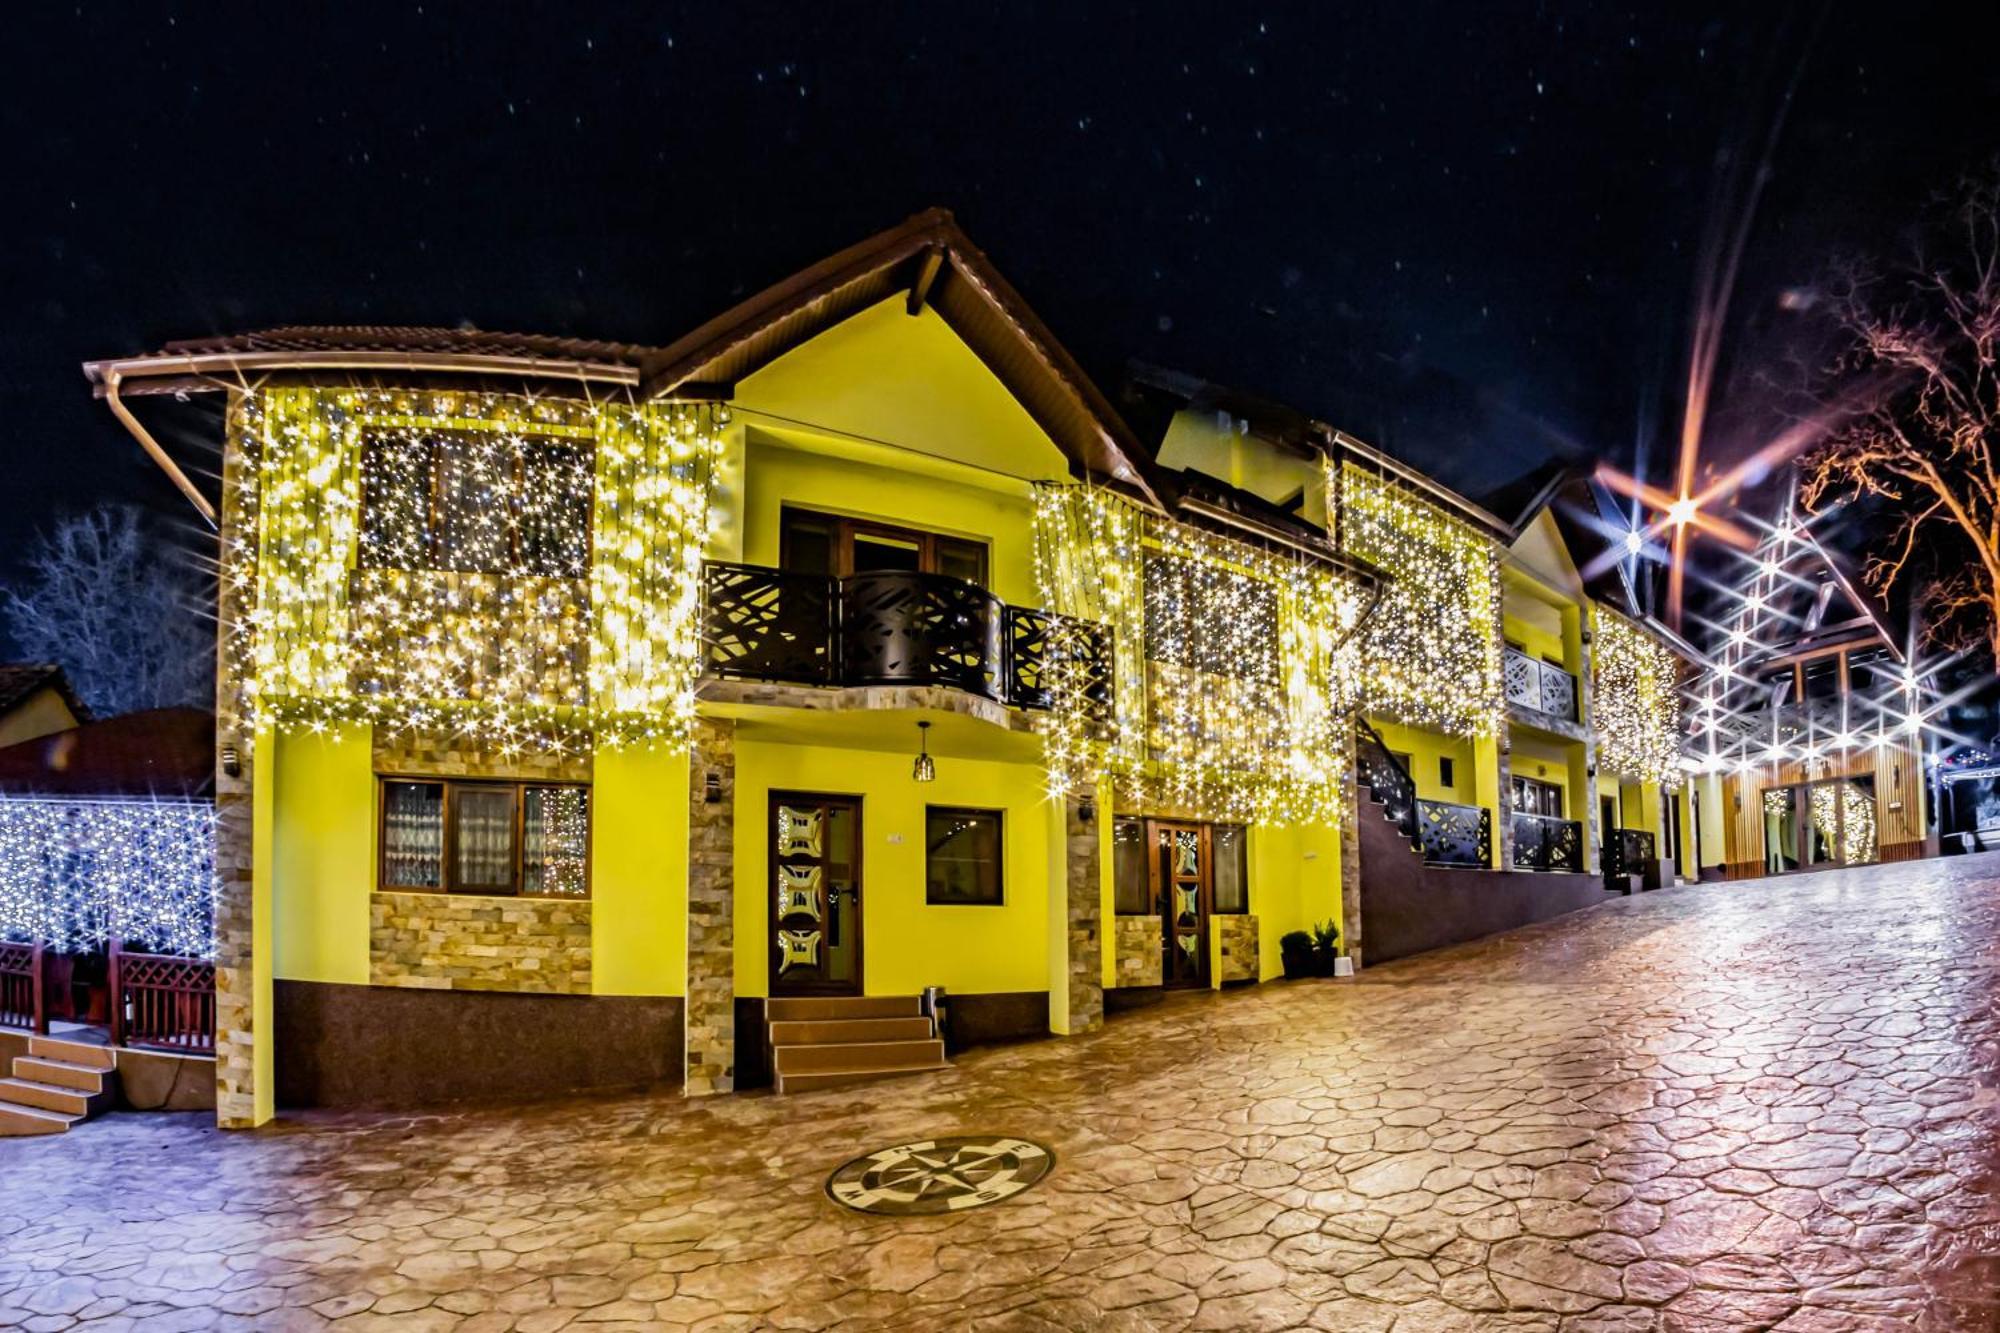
1294,884
1536,627
1210,443
324,862
906,945
905,381
1425,748
42,713
1545,761
787,470
638,872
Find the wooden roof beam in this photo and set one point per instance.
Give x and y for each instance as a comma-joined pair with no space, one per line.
928,269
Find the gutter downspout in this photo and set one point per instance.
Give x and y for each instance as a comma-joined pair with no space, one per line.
112,376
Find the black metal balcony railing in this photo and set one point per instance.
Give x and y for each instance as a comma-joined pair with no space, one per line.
1447,834
1540,686
1628,851
892,628
1544,842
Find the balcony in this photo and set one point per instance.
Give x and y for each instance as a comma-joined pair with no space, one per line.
1544,842
1539,686
890,628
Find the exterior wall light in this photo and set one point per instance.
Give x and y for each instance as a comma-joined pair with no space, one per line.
925,769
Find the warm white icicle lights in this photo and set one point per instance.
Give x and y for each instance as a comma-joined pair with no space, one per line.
524,570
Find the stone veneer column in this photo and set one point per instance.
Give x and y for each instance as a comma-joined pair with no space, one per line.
1503,814
1350,863
1085,916
236,989
1586,703
710,1009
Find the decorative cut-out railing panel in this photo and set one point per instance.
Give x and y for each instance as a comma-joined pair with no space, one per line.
1544,842
1450,834
895,628
1542,686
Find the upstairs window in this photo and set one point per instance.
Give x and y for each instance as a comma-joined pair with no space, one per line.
498,838
486,504
1200,616
815,543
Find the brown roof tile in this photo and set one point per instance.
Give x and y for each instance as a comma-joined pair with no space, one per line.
165,752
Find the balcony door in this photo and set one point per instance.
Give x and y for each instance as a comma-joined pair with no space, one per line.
815,894
814,543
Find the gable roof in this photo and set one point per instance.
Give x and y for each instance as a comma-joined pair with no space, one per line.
168,753
928,258
20,681
931,261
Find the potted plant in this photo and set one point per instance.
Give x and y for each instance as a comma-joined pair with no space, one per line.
1295,949
1325,948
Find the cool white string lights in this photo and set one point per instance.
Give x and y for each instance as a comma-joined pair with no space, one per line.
77,874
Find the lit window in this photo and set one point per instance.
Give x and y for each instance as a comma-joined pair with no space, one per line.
476,503
498,838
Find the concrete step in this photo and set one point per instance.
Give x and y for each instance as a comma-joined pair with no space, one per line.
823,1008
831,1078
25,1121
50,1097
73,1052
835,1030
60,1073
852,1056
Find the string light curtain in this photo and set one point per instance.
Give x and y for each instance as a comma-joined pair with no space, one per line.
1636,704
77,874
1431,652
1230,687
524,570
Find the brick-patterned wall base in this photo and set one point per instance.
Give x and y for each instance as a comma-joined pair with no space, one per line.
436,941
1135,941
1086,923
711,955
1236,937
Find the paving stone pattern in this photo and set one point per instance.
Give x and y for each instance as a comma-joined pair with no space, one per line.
1756,1105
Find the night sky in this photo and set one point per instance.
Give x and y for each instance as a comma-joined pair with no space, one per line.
1467,233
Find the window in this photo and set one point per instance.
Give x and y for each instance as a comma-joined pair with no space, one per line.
1131,888
814,543
961,857
1186,600
1534,797
1231,845
476,503
499,838
1445,773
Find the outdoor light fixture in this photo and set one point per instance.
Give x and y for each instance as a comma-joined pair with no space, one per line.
711,789
1086,810
232,762
925,769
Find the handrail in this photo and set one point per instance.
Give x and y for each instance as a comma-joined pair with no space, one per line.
162,1001
23,988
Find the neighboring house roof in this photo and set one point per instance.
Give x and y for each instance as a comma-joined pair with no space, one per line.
20,681
165,752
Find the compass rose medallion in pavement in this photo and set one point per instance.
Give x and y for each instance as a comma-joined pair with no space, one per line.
939,1175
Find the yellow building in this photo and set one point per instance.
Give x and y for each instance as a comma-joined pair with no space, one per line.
844,681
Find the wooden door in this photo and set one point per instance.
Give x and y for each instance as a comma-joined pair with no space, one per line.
815,894
1183,868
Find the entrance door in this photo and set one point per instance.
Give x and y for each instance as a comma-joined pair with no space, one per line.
1815,824
815,894
1184,887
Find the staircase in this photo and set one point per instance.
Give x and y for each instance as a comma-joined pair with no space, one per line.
819,1042
56,1084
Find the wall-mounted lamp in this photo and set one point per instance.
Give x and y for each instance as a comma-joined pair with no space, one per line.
925,769
711,789
232,761
1086,809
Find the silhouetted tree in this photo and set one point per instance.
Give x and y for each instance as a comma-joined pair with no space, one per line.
1920,353
126,614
